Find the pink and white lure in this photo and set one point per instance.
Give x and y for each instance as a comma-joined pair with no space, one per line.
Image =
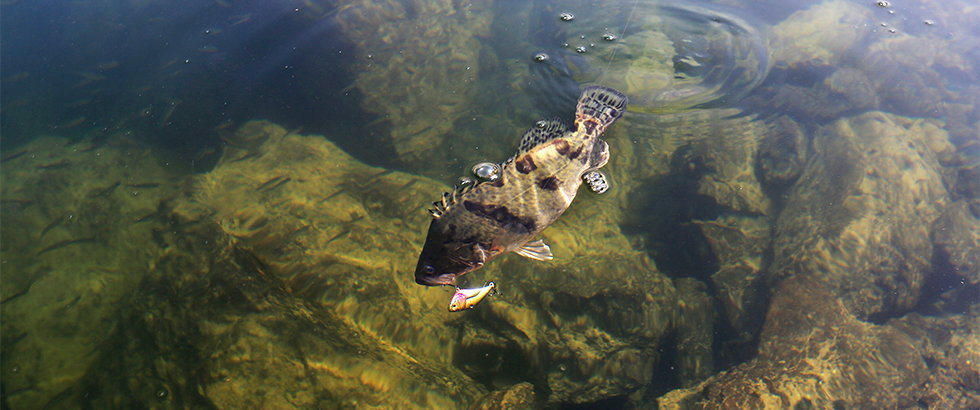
467,298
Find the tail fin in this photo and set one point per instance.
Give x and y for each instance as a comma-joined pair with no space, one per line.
597,108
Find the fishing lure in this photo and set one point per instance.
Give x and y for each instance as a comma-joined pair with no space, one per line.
467,298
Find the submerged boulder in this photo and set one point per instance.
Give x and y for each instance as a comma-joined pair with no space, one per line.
339,239
852,249
75,243
861,213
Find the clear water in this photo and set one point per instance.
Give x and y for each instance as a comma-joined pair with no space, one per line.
792,220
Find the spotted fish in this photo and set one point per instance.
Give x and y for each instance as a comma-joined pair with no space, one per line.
477,223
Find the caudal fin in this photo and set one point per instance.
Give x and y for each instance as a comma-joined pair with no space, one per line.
597,108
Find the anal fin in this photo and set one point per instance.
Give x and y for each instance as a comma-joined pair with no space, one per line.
536,250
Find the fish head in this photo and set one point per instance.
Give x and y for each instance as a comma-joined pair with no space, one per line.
458,302
444,257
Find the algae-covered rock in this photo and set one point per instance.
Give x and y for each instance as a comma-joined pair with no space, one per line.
782,154
724,154
861,213
814,353
517,397
957,235
717,146
852,246
281,283
74,245
820,34
951,344
418,62
739,243
341,239
585,324
331,228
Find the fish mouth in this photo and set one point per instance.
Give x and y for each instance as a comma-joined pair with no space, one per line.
444,279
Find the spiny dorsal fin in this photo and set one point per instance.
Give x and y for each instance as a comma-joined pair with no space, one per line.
449,199
542,131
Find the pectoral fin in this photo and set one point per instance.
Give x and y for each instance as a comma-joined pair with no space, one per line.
536,250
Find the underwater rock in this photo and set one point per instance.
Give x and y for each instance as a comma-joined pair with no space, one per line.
282,281
74,245
739,243
418,62
727,162
867,232
848,253
814,353
694,335
517,397
341,237
782,154
587,325
716,146
957,234
821,34
334,230
211,326
902,67
951,344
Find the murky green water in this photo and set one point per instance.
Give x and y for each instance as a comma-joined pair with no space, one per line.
220,204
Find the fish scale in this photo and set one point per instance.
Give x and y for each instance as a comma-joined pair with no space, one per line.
477,223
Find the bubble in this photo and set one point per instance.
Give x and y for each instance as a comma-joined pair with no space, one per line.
541,57
562,367
609,37
161,394
14,369
883,3
580,49
567,16
884,24
464,181
891,30
541,124
929,22
487,171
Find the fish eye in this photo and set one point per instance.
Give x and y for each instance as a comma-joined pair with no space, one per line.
429,269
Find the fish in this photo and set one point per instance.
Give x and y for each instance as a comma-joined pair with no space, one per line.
468,298
55,165
104,192
65,243
481,221
13,156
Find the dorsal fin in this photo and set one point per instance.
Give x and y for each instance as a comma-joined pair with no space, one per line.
449,199
542,131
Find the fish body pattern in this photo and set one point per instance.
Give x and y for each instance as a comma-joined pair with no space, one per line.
477,223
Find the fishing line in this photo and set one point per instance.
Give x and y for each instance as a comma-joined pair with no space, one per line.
621,37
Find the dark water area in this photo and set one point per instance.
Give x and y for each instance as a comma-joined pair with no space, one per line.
176,71
220,203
